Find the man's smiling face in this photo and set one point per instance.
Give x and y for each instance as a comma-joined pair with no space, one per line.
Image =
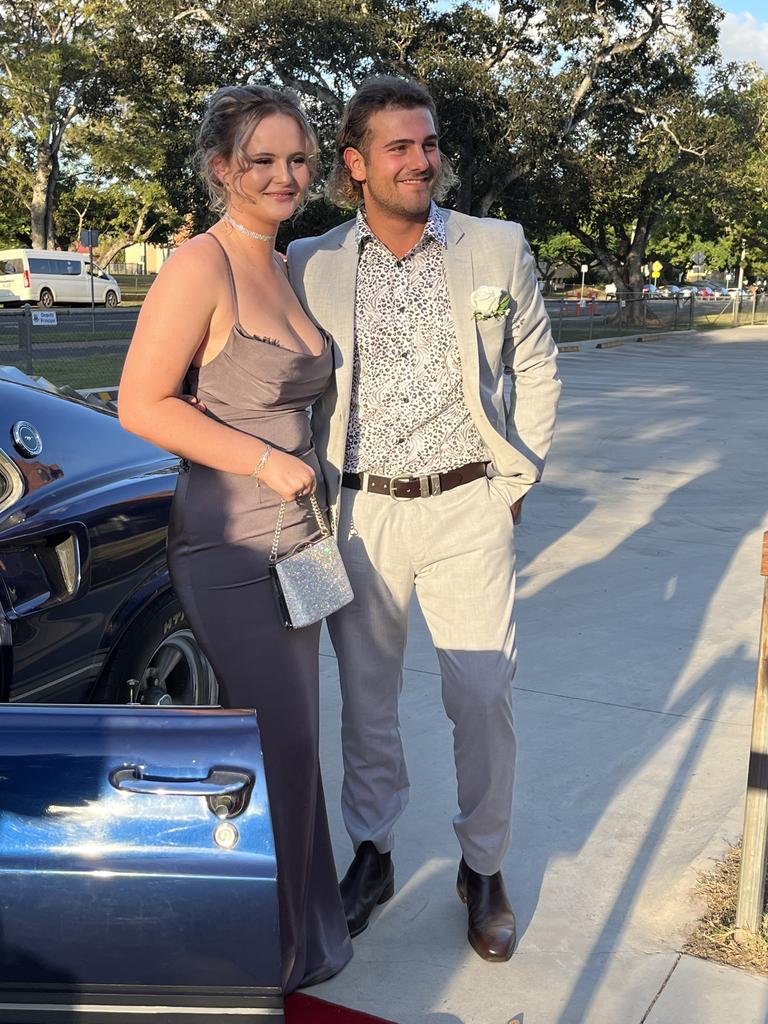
400,163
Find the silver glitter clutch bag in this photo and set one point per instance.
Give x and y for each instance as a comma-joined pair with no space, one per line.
310,581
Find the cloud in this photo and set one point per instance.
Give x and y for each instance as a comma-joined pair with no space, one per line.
743,37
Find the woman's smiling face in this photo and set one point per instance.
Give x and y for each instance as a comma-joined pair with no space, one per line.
276,175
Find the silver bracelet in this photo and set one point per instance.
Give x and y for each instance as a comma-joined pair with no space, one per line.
257,469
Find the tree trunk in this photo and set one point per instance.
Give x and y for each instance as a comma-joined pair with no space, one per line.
124,241
39,211
50,203
43,197
635,300
625,267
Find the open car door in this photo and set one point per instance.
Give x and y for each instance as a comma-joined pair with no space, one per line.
137,867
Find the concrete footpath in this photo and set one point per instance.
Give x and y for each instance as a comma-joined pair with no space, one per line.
639,598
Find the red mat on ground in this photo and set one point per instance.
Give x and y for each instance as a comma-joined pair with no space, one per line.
300,1009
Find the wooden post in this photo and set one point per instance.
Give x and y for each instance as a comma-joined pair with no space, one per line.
749,907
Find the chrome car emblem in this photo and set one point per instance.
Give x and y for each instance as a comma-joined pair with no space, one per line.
26,439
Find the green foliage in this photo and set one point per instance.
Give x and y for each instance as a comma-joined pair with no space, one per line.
609,129
557,249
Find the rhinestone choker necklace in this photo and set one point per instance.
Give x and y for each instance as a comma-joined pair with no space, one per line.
247,231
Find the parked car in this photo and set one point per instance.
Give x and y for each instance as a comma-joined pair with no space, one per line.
688,290
717,290
669,291
47,278
651,290
86,603
705,292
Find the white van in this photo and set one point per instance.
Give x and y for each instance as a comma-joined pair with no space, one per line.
47,277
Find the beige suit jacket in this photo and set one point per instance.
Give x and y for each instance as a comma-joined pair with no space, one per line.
323,272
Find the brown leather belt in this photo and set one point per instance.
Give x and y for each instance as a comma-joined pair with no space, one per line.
414,486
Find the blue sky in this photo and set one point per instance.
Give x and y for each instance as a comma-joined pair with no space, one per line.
737,6
744,34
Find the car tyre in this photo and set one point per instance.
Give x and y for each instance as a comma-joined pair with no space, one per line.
161,653
46,298
110,299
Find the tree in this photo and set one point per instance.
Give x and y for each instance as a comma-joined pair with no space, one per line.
511,87
557,249
14,182
120,189
52,54
656,147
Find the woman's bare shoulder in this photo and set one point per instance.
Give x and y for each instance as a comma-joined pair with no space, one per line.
201,251
192,277
197,263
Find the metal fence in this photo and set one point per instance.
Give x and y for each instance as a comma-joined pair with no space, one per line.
79,347
86,349
574,320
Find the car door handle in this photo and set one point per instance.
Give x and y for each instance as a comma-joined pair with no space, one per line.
219,782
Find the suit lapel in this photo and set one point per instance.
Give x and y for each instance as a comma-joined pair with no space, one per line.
339,280
459,274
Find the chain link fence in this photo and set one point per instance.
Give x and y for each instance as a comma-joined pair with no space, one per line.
86,349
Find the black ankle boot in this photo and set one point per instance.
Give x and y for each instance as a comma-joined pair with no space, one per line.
370,880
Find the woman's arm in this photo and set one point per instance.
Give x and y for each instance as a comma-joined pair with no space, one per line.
173,323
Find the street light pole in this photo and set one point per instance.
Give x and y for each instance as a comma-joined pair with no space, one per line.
584,269
90,237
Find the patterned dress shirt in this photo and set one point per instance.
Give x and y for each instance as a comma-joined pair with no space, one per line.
408,414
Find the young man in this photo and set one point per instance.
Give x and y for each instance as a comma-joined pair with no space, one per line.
425,468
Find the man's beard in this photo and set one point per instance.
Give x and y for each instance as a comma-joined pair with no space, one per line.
394,204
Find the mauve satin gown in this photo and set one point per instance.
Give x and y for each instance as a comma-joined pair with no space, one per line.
219,540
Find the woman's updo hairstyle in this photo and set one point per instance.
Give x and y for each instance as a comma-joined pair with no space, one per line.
232,114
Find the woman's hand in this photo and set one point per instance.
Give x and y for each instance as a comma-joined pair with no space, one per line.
195,402
288,476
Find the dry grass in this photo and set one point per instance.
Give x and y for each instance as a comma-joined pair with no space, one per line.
716,937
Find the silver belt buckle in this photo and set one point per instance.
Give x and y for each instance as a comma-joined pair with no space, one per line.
396,480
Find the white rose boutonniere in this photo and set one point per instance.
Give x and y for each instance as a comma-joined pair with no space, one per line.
489,303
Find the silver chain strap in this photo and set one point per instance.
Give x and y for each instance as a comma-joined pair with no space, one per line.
281,516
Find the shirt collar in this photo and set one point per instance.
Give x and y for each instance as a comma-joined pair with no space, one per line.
434,229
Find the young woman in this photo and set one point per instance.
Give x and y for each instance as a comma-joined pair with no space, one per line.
221,323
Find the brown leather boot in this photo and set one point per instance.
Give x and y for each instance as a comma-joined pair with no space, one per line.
370,880
492,931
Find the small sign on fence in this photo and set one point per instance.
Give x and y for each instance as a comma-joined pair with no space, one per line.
43,318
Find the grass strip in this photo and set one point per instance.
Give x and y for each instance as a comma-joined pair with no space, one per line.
83,372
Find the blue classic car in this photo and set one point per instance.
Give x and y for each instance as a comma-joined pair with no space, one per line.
137,861
87,611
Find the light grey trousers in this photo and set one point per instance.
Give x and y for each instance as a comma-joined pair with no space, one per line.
457,549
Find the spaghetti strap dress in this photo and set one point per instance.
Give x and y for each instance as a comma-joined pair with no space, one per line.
219,540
